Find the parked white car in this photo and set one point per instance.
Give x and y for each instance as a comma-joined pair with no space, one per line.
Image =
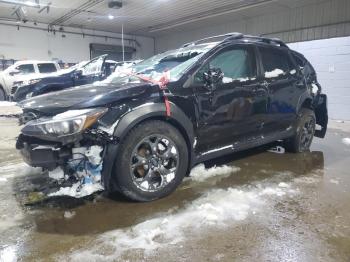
23,71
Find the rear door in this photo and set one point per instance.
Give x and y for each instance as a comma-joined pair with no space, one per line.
236,108
46,68
284,83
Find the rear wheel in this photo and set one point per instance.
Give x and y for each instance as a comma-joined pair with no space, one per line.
302,140
151,162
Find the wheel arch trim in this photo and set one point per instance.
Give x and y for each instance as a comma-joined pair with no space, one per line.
304,98
154,110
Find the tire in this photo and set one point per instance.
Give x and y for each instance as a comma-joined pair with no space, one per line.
2,95
142,170
302,140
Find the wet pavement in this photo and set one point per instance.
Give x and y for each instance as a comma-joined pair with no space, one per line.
251,206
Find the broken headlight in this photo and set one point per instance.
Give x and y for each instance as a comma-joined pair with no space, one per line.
68,123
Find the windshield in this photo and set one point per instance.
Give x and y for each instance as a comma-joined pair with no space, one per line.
174,62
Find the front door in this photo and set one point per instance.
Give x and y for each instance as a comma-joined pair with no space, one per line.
91,72
234,110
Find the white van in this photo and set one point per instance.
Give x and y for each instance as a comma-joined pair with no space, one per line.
23,71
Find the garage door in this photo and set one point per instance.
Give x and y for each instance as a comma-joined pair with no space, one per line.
331,59
114,52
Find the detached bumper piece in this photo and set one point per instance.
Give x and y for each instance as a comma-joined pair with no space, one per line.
38,153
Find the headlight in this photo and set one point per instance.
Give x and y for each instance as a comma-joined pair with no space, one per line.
70,122
33,81
27,82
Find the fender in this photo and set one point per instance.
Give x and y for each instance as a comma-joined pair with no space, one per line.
303,97
152,110
49,88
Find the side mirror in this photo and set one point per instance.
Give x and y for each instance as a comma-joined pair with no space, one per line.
14,72
78,73
213,77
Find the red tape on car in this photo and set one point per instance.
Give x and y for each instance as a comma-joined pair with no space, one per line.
162,83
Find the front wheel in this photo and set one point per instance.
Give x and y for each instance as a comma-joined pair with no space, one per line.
306,126
151,162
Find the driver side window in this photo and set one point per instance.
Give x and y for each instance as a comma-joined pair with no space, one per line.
237,64
25,69
94,67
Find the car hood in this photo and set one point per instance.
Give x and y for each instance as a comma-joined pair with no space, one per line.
87,96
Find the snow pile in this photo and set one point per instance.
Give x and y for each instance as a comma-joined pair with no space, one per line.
314,89
6,103
19,169
274,73
227,80
216,208
78,190
346,141
8,254
9,109
284,185
277,150
69,214
57,174
273,191
334,181
200,173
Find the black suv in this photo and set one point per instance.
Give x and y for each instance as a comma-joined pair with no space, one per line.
141,132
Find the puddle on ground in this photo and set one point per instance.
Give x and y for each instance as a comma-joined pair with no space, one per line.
252,205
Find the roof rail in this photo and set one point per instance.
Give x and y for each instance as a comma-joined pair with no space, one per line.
230,36
267,40
235,36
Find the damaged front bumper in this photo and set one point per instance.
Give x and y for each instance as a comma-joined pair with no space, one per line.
39,153
80,163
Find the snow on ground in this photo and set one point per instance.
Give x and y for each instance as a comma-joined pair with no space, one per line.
8,254
9,108
85,190
200,173
6,103
11,213
215,208
17,169
69,214
334,181
346,141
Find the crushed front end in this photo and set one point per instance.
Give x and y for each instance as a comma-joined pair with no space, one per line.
70,146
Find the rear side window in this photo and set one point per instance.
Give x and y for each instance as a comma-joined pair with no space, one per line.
47,68
306,67
276,62
299,60
25,69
